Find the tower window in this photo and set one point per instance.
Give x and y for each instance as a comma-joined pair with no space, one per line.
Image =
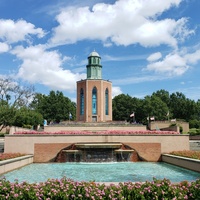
106,101
94,101
82,102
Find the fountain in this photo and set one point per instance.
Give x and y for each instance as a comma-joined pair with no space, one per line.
97,152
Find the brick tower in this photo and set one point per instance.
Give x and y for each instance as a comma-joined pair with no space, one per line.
94,95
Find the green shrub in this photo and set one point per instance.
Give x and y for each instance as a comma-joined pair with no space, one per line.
194,131
194,123
27,126
2,134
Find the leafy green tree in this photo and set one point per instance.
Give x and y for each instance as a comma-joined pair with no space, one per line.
198,109
25,117
178,105
54,107
123,106
194,123
6,115
154,106
163,95
182,107
140,115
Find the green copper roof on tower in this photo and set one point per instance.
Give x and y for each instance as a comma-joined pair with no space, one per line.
94,68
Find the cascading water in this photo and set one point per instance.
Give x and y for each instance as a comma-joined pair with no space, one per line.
95,152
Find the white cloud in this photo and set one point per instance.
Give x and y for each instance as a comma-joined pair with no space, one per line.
107,57
172,65
125,22
182,31
139,78
154,57
4,47
154,7
45,67
116,91
194,57
11,31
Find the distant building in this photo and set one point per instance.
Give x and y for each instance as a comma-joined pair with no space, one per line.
94,95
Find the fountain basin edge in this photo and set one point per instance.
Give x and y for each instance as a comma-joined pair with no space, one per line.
15,163
188,163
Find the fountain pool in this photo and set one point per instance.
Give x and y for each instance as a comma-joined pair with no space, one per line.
102,172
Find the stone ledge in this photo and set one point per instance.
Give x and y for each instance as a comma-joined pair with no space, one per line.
188,163
94,134
14,163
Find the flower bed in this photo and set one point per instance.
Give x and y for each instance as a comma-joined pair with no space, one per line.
187,154
6,156
67,189
108,132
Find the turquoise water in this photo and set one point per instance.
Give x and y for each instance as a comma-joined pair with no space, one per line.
102,172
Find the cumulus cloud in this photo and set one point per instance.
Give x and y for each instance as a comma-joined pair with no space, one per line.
125,22
163,67
154,57
4,47
45,67
116,91
12,32
193,58
172,65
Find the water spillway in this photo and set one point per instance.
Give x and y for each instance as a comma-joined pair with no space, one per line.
96,152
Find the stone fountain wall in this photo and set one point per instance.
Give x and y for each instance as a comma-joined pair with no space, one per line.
46,147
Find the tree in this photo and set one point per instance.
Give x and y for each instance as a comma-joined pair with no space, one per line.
13,96
6,115
25,117
123,106
163,95
182,107
54,107
14,93
194,123
154,106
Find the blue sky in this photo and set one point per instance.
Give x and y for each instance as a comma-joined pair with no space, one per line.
145,45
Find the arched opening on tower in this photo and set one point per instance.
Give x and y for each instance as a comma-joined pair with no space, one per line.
94,104
106,101
82,102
